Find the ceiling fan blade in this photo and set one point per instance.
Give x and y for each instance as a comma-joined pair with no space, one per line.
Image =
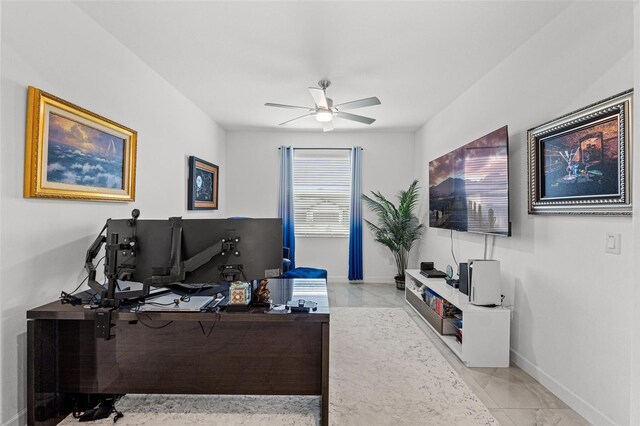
298,118
353,117
359,104
319,97
269,104
327,126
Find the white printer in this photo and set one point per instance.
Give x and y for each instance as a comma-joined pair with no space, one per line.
484,282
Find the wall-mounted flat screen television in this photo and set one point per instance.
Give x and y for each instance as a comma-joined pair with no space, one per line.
469,187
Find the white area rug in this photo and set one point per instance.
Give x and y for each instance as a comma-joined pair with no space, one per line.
231,410
384,371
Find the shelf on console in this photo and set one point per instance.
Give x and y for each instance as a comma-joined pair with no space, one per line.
441,325
452,295
453,344
485,341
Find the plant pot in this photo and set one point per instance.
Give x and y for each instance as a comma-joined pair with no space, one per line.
399,282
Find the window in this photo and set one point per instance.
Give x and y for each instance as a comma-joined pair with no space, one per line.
322,192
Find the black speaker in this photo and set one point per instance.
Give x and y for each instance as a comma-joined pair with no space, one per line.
464,278
426,266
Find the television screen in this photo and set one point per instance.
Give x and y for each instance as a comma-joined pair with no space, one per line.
469,187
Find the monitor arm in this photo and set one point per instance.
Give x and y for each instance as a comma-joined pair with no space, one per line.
92,252
111,248
178,269
222,247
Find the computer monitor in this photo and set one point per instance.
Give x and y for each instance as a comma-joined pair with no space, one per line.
259,249
152,248
256,248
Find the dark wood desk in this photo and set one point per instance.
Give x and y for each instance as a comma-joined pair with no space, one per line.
253,353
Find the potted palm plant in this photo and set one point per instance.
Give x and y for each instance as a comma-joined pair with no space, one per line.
397,227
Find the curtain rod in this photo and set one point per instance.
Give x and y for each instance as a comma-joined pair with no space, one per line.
332,149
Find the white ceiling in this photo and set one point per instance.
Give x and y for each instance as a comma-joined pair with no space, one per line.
230,58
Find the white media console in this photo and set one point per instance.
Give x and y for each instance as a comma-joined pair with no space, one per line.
485,331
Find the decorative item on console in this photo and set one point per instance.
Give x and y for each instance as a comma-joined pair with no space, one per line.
73,153
262,292
580,163
398,227
453,282
239,294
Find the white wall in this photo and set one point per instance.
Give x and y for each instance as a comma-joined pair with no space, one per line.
573,315
253,172
59,49
1,340
635,333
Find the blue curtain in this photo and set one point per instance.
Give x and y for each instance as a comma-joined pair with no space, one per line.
285,205
355,222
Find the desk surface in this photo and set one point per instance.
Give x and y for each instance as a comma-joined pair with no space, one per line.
282,290
234,353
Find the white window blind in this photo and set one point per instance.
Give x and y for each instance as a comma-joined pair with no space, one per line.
322,192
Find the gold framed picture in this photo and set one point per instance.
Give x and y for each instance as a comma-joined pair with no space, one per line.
73,153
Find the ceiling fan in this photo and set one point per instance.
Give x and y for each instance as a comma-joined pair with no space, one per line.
325,111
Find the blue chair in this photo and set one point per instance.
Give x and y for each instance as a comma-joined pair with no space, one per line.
286,262
303,272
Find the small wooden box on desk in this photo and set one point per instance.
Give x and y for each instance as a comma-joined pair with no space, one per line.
485,331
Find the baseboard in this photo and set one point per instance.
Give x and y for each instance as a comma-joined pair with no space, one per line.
579,405
17,420
376,280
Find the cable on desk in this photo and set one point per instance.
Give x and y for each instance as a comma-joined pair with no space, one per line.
176,301
93,300
217,312
70,297
198,290
80,285
151,319
157,304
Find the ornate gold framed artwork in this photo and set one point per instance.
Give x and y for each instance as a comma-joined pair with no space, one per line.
72,153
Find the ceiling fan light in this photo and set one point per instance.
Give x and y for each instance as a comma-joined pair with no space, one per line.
324,116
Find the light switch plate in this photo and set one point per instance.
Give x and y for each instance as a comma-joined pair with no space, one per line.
612,243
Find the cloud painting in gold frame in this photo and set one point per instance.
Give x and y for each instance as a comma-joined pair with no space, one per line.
72,153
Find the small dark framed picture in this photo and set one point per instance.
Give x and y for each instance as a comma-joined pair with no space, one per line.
580,163
203,185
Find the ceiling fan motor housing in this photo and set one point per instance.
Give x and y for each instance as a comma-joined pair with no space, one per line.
323,84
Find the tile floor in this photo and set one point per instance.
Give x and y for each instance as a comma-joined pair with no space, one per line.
512,396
